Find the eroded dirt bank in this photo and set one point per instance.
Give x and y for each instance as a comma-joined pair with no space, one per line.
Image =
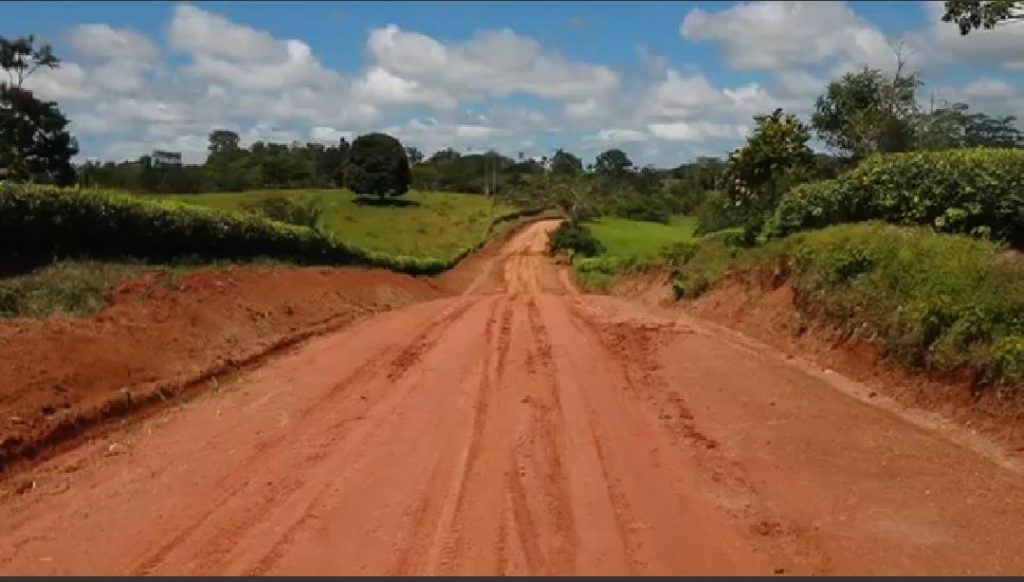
157,337
160,338
520,428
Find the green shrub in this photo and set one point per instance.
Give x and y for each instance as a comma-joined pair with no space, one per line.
598,273
305,211
932,301
576,238
969,191
715,213
46,222
680,252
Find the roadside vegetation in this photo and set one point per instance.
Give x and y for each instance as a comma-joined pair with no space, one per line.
429,224
908,235
933,276
73,287
931,301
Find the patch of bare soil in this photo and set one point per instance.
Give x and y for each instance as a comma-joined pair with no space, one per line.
765,308
158,339
519,428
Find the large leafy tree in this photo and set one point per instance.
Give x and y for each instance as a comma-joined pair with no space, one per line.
977,14
867,112
34,142
757,172
377,164
564,163
227,164
612,164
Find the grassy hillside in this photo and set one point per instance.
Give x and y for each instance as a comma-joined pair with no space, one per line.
639,239
434,224
630,244
90,239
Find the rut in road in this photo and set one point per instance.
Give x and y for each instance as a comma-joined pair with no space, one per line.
519,428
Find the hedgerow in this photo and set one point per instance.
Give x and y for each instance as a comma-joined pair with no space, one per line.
967,191
45,223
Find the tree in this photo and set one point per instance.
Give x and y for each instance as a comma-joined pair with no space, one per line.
34,141
444,155
377,164
574,196
612,164
757,172
566,164
866,112
222,142
951,126
226,164
414,154
996,132
976,14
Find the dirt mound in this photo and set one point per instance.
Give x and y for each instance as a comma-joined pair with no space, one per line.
160,337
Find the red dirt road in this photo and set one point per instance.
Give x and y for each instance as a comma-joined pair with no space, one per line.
521,428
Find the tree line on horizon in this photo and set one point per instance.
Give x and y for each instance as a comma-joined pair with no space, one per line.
862,113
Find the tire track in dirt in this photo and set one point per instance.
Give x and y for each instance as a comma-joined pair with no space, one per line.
549,427
264,452
443,553
527,429
631,347
420,347
431,520
632,546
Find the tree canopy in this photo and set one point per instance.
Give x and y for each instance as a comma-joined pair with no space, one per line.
971,15
564,163
613,164
866,112
34,142
377,164
774,150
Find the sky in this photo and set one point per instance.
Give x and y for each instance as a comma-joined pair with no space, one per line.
664,81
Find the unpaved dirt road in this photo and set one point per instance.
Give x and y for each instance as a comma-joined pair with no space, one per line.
520,428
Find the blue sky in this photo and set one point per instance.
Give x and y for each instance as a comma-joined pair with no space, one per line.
666,81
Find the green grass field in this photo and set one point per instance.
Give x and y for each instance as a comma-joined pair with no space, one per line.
638,239
629,244
434,224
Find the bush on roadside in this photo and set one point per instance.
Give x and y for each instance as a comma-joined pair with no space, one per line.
576,238
47,222
715,213
977,191
931,301
305,211
44,223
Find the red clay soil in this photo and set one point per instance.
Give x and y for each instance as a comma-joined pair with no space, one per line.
157,338
767,310
160,340
521,428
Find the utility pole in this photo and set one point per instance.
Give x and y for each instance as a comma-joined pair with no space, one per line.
487,176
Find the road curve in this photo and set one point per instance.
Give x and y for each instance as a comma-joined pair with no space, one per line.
520,428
